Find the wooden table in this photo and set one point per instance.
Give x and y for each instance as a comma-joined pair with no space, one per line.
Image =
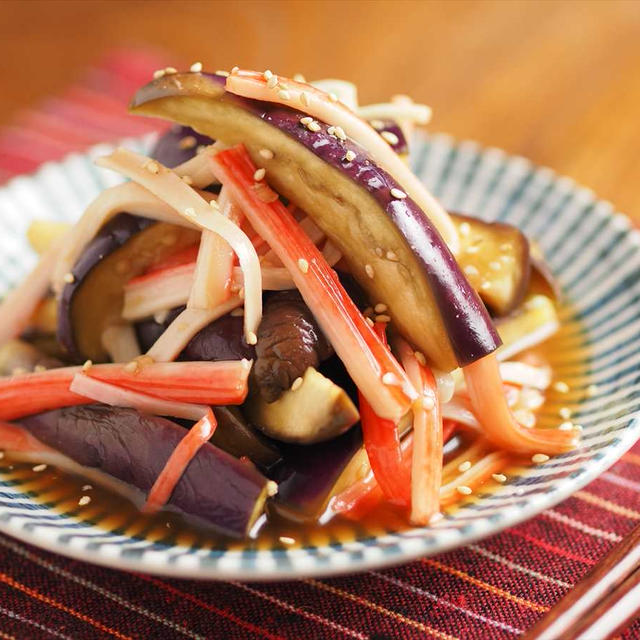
558,82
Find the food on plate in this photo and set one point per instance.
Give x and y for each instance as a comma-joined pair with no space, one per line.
273,321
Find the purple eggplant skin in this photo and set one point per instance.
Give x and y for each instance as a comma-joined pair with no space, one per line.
401,147
177,145
460,328
216,490
111,237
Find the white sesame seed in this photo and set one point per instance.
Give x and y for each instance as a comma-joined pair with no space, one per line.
465,228
314,126
419,356
428,403
389,378
578,427
87,365
272,488
306,120
158,74
170,70
267,154
303,265
87,487
196,67
566,426
304,98
379,252
220,72
369,321
380,307
377,124
131,367
464,490
283,94
252,338
267,75
506,258
499,477
235,69
398,193
565,412
472,249
69,278
470,270
464,466
350,156
272,82
84,501
259,174
561,387
390,137
539,458
392,256
239,311
241,293
39,467
39,368
339,131
333,97
485,285
525,418
190,212
286,540
188,142
331,130
297,383
283,85
505,246
200,148
369,270
187,180
383,318
152,167
298,77
495,265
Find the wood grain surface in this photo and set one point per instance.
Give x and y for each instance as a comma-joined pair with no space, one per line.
558,82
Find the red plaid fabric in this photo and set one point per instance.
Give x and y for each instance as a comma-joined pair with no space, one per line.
493,589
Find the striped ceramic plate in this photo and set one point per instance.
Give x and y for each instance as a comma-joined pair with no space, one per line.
593,251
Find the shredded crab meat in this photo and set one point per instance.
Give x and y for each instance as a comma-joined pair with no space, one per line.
251,84
116,396
120,342
20,303
176,336
166,185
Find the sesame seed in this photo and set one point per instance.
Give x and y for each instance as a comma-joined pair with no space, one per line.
506,258
304,98
87,487
259,174
272,488
297,383
333,97
390,137
464,490
472,249
539,458
298,77
525,418
566,426
369,270
158,74
464,466
377,124
39,368
170,70
485,285
350,156
314,126
87,365
499,477
69,278
39,467
303,265
392,256
561,387
465,228
239,311
286,540
565,412
369,321
241,293
187,180
224,74
196,67
84,501
331,130
470,270
283,85
578,427
495,265
419,356
505,246
379,252
267,75
389,378
235,69
190,212
272,82
267,154
428,403
152,167
383,318
188,142
380,307
200,148
339,131
252,338
214,205
283,94
131,367
306,120
398,193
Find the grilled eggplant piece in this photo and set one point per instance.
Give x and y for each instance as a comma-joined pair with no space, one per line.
92,299
357,204
495,258
177,145
216,490
315,411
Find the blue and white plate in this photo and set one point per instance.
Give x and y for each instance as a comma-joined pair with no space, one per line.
593,251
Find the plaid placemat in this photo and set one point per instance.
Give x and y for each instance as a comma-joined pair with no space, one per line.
495,588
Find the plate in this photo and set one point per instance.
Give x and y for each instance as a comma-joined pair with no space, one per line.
593,251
